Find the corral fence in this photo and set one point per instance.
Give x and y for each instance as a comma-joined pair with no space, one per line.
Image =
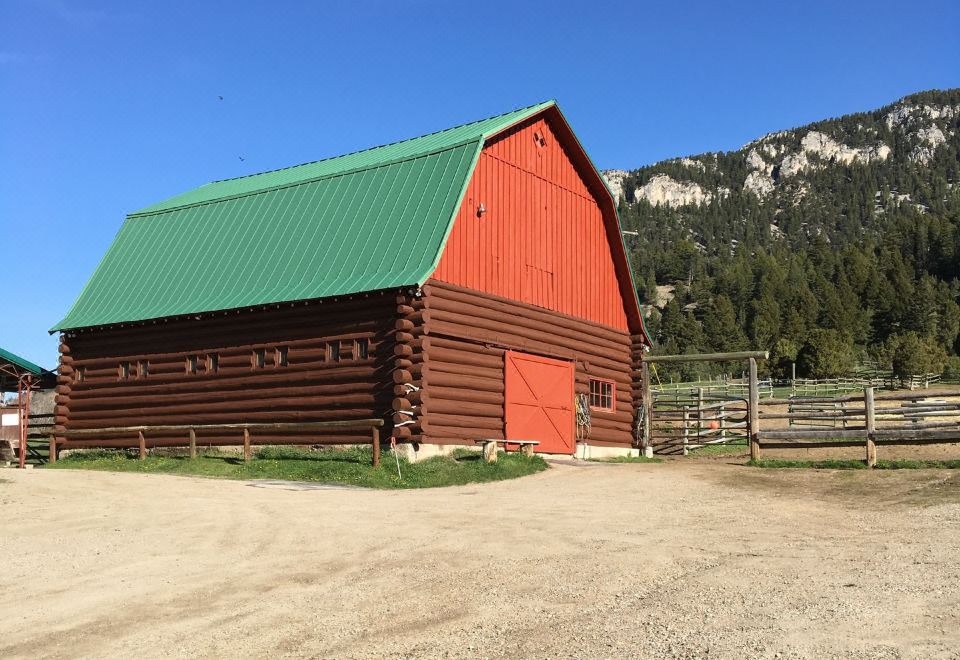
819,387
730,387
684,421
867,419
678,421
129,437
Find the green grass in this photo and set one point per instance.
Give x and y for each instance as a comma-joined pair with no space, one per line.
718,449
349,466
832,464
626,459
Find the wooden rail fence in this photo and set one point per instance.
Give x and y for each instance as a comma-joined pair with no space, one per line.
682,422
901,418
137,436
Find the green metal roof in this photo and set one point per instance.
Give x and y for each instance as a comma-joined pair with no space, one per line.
20,362
369,220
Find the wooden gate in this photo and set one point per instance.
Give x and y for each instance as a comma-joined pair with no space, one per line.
539,401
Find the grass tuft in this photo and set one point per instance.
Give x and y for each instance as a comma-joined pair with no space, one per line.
340,466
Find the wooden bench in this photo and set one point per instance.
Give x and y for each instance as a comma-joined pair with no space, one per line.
490,447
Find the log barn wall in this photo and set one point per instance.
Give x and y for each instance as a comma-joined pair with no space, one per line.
313,386
465,334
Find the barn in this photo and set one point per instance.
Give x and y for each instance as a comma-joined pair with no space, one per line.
467,284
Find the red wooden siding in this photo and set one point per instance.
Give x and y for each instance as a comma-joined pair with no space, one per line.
541,239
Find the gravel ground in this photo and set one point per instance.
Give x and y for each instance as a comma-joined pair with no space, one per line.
686,559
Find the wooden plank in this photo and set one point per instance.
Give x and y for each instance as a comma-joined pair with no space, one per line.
786,434
801,444
280,426
708,357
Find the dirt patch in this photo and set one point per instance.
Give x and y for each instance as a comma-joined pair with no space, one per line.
676,560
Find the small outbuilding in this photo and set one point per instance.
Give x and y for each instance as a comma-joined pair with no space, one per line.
468,284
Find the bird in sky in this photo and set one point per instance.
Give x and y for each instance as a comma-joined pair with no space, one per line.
220,97
241,158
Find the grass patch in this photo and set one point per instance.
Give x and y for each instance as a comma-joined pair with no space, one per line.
348,466
720,449
626,459
827,464
832,464
918,465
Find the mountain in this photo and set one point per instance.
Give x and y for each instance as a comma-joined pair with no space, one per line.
830,244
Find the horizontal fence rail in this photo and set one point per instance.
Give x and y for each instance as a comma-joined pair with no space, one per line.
138,436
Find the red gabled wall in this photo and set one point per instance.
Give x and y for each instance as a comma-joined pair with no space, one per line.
541,239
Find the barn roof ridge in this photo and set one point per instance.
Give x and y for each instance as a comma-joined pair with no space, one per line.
539,105
392,152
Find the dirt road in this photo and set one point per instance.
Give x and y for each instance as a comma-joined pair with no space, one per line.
682,559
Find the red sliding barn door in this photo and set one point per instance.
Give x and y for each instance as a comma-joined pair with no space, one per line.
539,401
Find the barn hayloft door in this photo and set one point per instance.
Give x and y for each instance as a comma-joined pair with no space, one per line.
539,401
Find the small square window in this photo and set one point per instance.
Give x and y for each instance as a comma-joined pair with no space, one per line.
213,363
280,359
124,371
260,358
192,363
602,394
363,349
333,351
143,368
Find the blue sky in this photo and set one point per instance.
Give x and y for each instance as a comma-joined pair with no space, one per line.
106,107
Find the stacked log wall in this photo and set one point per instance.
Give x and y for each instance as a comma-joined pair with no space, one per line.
468,333
410,360
311,387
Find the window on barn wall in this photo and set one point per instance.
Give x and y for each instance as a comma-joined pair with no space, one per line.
333,351
81,374
213,363
143,368
124,371
602,394
280,359
362,349
191,364
259,358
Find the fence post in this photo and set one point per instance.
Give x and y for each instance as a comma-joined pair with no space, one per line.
193,443
53,449
754,413
143,445
376,446
686,429
871,426
246,444
699,414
